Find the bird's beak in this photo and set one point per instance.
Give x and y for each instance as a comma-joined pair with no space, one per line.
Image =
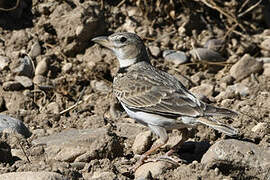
104,41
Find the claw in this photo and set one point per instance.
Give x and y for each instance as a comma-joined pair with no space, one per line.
139,163
174,160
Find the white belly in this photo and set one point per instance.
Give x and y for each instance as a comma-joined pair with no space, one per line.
154,119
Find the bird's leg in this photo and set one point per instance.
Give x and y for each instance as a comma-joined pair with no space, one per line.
145,155
161,132
167,156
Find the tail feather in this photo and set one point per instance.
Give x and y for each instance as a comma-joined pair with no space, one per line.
219,126
215,111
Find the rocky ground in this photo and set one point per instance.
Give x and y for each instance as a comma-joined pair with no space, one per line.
59,119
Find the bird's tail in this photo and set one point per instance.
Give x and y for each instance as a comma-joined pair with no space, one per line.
210,110
218,126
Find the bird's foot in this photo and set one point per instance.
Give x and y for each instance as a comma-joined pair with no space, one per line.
139,163
168,157
171,159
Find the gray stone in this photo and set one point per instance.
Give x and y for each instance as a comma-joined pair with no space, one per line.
11,124
25,67
4,62
239,154
24,81
12,86
43,175
81,145
142,142
35,50
177,57
206,55
244,67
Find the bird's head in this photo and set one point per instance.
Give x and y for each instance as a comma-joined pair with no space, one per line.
128,47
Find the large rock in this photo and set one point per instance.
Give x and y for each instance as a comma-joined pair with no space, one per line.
76,28
43,175
233,154
9,124
81,145
245,66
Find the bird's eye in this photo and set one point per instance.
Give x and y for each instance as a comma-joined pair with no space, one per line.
123,39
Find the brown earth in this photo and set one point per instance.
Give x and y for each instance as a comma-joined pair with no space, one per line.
69,69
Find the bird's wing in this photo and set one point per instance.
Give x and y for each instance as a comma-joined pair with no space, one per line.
156,92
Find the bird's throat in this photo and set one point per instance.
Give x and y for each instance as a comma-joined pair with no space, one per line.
124,63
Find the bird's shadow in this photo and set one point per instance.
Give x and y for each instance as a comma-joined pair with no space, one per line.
191,151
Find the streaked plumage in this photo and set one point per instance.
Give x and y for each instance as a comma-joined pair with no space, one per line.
153,97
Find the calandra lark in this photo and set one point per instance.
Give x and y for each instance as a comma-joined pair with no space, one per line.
155,98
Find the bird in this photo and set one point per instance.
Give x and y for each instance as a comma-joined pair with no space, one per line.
156,98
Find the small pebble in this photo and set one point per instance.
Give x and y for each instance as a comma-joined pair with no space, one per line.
35,50
42,67
100,86
67,67
155,51
53,107
4,62
259,127
177,57
240,71
206,55
265,45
